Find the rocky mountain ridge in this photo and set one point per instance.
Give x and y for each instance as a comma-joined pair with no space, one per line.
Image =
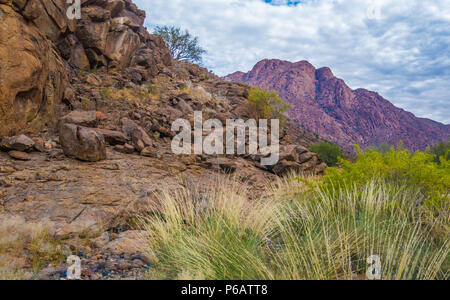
326,106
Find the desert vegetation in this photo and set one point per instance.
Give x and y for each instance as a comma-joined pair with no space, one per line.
392,205
441,150
328,152
182,45
26,248
265,104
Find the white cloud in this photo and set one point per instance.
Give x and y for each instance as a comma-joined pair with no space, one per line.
399,48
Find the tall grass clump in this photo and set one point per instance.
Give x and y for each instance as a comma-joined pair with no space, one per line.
210,233
330,234
294,231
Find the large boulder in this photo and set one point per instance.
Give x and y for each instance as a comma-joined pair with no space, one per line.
82,118
83,143
39,46
19,143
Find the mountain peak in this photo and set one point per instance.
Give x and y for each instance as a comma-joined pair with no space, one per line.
324,73
323,104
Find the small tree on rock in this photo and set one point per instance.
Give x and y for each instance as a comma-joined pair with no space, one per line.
182,45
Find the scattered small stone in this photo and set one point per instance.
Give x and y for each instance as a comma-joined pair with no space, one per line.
112,167
145,259
101,116
126,149
39,145
137,134
29,198
49,145
148,152
113,137
137,263
47,273
7,169
19,155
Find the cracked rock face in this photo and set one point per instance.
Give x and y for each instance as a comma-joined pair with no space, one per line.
32,74
39,46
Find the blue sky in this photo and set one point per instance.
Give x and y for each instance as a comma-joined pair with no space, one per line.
399,48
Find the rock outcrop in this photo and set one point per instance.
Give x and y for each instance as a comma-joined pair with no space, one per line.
326,106
32,73
39,47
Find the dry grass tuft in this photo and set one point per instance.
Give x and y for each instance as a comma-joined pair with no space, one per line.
25,248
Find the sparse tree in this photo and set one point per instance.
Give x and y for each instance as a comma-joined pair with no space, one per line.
182,45
265,104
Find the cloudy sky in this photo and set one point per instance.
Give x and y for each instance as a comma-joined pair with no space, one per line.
399,48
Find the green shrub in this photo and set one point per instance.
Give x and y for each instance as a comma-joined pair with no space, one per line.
328,153
383,148
265,104
397,166
150,88
441,151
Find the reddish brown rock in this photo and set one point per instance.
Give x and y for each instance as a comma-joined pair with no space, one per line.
19,143
126,149
113,137
82,118
138,136
82,143
19,155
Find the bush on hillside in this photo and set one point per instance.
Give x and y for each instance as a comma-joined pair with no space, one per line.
328,153
265,104
441,151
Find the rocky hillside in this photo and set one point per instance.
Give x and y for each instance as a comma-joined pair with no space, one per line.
325,105
40,46
86,108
